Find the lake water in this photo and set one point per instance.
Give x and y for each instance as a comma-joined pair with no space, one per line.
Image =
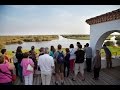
63,41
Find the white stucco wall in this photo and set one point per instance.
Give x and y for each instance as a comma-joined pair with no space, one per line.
99,32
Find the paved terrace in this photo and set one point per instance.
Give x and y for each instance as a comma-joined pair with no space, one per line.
107,77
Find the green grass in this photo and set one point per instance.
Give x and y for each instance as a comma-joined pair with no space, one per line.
114,50
83,37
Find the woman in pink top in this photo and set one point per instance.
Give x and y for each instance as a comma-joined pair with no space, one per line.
5,74
28,75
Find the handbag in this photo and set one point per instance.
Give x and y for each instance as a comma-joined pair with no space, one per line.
29,67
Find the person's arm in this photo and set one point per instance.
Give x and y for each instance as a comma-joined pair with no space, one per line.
38,65
21,64
94,60
52,63
55,56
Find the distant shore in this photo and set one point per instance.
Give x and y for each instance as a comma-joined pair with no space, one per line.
7,40
83,37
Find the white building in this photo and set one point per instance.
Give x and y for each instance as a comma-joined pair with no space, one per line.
101,27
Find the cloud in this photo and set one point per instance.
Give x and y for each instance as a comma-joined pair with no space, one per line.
39,19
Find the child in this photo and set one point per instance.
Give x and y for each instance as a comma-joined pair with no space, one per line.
28,75
97,64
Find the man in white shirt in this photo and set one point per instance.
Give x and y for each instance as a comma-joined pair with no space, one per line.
46,64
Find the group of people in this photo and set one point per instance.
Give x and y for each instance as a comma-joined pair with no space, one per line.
51,62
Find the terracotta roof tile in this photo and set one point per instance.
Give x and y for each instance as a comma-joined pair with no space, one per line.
113,15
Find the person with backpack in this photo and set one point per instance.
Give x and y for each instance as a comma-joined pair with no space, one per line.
5,71
79,63
59,65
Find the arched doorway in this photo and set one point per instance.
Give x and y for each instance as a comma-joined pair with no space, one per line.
100,28
103,37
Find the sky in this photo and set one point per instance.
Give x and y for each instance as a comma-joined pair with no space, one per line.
49,19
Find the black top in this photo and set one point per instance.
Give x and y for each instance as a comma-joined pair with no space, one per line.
67,58
19,56
79,56
32,55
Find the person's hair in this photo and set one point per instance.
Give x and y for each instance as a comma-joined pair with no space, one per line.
26,54
71,46
41,49
13,51
32,47
78,43
67,50
87,44
1,59
97,51
104,45
19,49
59,47
3,51
52,49
46,50
79,46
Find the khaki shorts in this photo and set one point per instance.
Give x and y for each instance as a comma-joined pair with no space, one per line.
59,68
